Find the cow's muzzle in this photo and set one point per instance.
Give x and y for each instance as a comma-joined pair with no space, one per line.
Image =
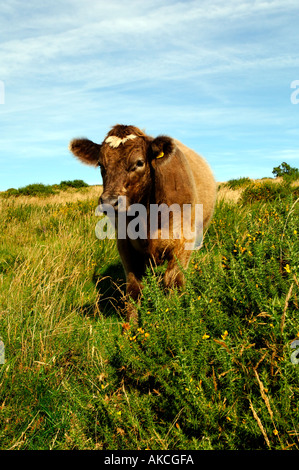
117,203
109,200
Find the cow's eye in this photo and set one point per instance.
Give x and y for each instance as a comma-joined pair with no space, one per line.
137,165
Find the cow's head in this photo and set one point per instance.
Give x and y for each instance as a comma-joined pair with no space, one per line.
128,159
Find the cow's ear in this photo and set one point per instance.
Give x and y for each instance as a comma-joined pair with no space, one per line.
86,150
162,147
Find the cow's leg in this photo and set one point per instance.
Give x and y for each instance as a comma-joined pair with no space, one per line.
174,277
133,291
133,264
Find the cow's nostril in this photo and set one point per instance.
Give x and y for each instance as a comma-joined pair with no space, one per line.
109,200
113,201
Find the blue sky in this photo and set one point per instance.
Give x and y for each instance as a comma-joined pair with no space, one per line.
216,75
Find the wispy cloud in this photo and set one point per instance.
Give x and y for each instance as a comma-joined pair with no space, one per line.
213,73
180,35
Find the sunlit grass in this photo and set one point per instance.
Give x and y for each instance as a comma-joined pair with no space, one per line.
207,368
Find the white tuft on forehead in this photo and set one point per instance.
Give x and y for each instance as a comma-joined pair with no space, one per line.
114,141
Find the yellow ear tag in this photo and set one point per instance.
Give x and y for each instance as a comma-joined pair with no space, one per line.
161,154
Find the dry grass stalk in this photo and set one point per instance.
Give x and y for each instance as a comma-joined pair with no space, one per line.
263,393
285,308
255,415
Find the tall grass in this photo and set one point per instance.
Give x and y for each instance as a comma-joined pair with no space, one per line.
207,368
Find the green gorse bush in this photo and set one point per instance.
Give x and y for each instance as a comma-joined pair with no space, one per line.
238,183
266,191
42,190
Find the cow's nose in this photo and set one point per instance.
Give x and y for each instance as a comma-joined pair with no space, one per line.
109,200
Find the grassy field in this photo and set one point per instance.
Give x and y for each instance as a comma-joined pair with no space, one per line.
208,368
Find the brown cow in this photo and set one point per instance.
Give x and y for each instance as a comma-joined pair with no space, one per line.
150,171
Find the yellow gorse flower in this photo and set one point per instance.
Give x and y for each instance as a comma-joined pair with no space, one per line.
225,335
287,268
